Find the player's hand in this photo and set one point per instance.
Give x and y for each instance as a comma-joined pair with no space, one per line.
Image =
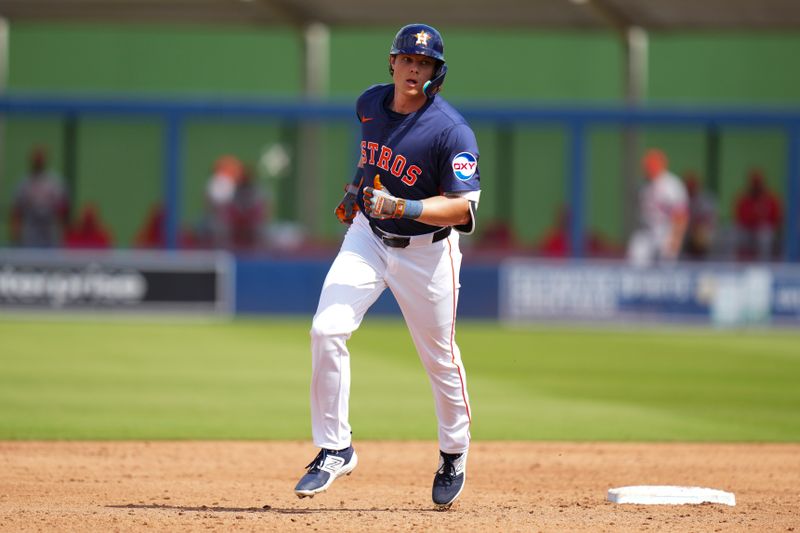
380,204
348,207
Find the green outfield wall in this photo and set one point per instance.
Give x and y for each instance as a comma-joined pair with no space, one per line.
118,162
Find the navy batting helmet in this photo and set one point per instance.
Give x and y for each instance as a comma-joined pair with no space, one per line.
423,40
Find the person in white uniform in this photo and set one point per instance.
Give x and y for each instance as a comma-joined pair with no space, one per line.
664,211
419,162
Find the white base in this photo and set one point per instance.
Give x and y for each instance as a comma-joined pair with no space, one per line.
668,494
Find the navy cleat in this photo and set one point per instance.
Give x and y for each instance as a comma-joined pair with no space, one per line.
449,479
324,469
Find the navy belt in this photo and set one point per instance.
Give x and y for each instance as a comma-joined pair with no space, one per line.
393,241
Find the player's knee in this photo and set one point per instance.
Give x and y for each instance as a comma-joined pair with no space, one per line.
333,321
319,331
324,328
326,340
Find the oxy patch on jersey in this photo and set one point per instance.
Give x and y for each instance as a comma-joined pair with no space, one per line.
465,165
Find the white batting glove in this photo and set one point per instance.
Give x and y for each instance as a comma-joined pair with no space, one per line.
380,204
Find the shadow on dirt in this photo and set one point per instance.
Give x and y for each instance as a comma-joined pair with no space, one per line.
265,509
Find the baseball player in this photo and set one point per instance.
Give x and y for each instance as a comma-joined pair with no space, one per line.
664,208
417,180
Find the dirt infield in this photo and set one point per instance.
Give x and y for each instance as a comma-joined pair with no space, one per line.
223,486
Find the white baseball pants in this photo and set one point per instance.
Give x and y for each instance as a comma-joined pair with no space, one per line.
424,280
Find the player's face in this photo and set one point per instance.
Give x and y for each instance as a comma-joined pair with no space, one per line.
411,72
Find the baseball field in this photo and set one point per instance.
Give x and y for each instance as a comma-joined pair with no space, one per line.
179,424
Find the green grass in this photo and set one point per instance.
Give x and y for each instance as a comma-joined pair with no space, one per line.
248,379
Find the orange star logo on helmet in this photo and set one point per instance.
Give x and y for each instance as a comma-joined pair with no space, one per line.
422,38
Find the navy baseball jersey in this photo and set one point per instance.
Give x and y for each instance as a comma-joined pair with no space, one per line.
423,154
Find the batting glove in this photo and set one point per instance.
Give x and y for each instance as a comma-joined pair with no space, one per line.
348,207
380,204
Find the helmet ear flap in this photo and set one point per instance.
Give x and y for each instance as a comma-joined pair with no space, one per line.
434,85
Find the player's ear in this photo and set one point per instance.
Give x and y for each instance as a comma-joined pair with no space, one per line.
391,64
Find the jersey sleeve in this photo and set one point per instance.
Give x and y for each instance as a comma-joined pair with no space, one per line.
458,160
458,170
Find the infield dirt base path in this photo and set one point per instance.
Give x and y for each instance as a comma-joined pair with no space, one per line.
511,486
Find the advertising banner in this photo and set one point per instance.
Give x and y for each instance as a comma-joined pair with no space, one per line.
722,294
116,281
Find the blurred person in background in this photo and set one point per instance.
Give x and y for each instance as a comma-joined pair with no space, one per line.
216,227
40,210
701,230
498,236
88,231
152,233
247,213
758,215
664,214
556,242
